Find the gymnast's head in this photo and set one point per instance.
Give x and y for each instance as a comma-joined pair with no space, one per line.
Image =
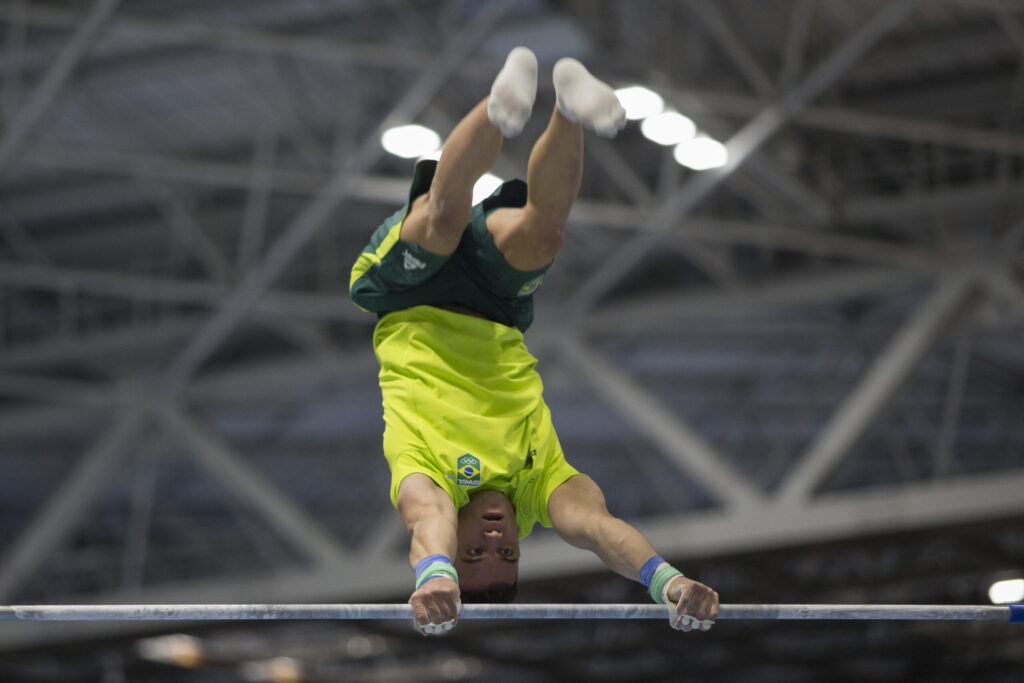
488,554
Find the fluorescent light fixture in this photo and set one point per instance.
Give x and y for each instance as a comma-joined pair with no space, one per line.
701,153
487,184
435,155
668,128
410,141
1006,591
639,102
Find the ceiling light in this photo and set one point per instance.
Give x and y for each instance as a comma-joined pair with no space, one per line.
1006,591
639,102
668,128
435,155
483,188
410,141
701,153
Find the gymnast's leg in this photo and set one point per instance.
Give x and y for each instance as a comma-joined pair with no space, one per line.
437,219
529,237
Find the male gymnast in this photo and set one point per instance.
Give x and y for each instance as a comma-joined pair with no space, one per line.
474,459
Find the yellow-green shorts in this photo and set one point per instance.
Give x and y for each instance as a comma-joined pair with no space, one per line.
463,404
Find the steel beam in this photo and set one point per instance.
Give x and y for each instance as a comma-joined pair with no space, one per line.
744,143
82,403
591,215
951,408
863,123
278,376
626,179
879,384
144,34
23,246
239,477
257,200
208,173
905,212
1003,288
169,291
1011,241
339,187
795,46
761,170
1012,28
149,31
832,517
680,443
49,420
67,505
57,391
769,236
14,53
56,77
102,344
749,67
838,516
191,235
651,311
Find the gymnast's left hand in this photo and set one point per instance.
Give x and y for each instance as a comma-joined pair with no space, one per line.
691,605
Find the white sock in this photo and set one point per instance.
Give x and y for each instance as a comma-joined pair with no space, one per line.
513,92
583,98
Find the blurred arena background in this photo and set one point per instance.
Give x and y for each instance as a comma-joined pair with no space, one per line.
800,372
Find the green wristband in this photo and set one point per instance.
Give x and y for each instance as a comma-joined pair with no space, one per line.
662,576
436,569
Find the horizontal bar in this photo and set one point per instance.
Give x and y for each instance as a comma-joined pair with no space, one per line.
495,611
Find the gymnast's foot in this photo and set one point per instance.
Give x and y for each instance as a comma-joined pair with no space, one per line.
583,98
513,92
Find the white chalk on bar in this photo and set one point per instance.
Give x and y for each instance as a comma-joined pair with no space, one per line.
493,611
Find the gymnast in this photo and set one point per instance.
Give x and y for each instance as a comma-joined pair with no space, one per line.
474,459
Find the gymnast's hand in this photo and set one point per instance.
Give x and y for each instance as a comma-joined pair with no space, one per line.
691,605
436,606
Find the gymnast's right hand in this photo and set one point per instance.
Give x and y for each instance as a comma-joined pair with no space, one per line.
436,606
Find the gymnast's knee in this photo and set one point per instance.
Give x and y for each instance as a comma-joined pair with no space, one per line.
529,240
545,235
436,222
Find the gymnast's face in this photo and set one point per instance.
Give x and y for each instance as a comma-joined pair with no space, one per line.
488,554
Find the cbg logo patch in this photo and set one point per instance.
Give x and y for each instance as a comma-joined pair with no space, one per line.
468,470
531,286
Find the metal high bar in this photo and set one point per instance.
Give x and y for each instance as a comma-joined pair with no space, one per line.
1011,613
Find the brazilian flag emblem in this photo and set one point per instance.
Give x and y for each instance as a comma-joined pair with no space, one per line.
468,469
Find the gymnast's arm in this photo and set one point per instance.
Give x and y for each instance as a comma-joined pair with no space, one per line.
580,516
429,515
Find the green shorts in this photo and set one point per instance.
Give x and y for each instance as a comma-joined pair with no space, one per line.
392,274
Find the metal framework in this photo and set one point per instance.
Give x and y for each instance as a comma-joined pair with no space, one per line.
1011,613
818,342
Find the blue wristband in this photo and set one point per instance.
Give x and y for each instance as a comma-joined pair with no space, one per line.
433,567
1017,612
647,571
429,560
